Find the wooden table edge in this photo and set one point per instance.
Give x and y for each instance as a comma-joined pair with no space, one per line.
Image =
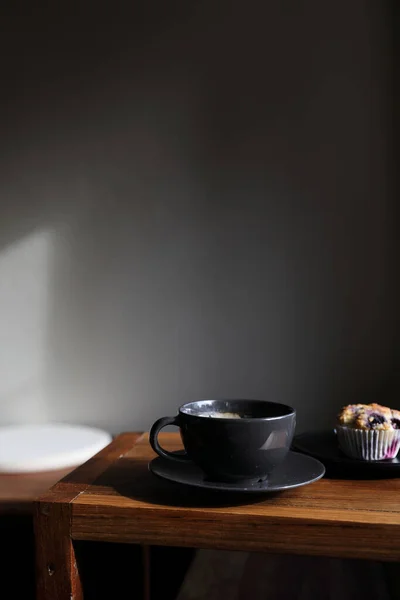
57,573
76,482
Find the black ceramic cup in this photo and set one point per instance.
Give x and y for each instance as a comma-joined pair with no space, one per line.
231,440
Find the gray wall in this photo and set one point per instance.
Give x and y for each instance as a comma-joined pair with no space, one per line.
195,202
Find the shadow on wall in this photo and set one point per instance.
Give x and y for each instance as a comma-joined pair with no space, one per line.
214,187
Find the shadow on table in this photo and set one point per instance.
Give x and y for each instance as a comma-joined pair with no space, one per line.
133,479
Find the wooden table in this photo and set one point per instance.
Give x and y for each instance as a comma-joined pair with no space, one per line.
114,498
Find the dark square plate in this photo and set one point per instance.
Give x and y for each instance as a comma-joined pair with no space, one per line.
323,446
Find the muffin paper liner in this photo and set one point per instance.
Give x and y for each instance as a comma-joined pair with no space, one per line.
368,444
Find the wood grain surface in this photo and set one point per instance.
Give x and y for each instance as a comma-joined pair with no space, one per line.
338,518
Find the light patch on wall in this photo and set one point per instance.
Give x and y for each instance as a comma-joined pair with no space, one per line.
24,289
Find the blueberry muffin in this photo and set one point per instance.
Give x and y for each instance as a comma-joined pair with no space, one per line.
369,431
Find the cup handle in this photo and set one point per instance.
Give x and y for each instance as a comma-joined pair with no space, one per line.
155,430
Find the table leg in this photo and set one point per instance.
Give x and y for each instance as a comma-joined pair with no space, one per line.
57,575
146,572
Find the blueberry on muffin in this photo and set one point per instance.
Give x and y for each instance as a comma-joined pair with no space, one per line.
396,419
374,416
369,431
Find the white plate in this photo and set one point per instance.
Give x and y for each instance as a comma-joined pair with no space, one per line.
34,448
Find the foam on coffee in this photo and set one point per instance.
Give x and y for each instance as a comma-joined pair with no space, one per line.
221,415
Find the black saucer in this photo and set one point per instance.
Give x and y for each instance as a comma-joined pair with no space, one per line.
296,470
323,446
